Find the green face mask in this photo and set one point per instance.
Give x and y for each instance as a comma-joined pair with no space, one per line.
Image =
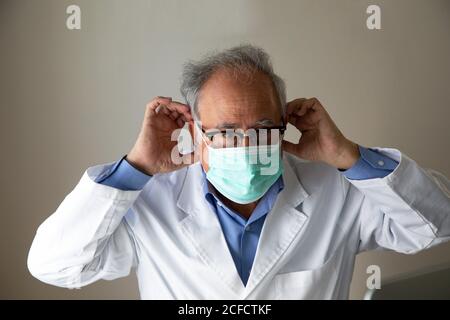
244,174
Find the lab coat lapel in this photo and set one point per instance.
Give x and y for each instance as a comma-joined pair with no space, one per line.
281,228
202,227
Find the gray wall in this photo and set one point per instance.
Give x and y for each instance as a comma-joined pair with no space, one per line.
72,99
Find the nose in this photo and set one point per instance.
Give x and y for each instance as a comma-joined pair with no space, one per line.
246,141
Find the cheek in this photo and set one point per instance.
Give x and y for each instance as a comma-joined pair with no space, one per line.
204,157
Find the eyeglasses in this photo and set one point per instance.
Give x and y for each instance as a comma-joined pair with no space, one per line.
230,138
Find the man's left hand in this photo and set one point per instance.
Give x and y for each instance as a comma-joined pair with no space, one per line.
321,139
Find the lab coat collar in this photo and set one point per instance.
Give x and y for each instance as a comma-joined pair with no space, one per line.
281,229
202,227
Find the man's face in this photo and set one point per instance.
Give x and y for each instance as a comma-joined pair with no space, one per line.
228,103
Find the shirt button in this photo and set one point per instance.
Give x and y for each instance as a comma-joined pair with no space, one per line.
381,163
248,228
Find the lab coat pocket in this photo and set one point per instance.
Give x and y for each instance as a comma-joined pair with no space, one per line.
317,283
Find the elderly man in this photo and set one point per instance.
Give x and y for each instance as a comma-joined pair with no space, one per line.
227,227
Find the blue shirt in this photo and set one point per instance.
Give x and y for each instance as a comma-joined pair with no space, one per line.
242,235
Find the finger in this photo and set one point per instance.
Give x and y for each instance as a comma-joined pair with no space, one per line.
180,108
180,122
183,117
294,105
174,115
179,118
162,108
157,101
301,123
152,107
302,106
307,106
314,105
149,113
307,121
303,109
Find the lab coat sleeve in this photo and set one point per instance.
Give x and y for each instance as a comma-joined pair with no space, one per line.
406,211
87,238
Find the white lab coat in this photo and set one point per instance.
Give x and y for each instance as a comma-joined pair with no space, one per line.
169,234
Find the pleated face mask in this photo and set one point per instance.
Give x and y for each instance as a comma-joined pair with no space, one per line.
244,174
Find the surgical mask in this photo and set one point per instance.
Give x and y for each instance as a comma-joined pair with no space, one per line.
244,174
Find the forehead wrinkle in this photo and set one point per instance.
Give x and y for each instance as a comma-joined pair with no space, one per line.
232,125
263,122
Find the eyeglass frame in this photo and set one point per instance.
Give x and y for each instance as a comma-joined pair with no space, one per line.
281,128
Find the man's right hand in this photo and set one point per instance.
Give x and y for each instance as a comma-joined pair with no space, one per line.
153,148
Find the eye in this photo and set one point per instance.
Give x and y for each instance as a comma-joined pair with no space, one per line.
230,134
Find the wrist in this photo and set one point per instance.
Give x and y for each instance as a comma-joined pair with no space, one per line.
347,155
139,164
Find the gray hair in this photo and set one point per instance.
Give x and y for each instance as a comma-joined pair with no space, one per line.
242,59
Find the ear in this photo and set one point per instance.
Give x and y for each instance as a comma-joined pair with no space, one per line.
200,150
193,133
191,129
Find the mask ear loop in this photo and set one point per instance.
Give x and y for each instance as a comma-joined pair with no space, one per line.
199,133
197,140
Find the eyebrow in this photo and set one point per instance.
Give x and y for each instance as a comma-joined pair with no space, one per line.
231,125
265,122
